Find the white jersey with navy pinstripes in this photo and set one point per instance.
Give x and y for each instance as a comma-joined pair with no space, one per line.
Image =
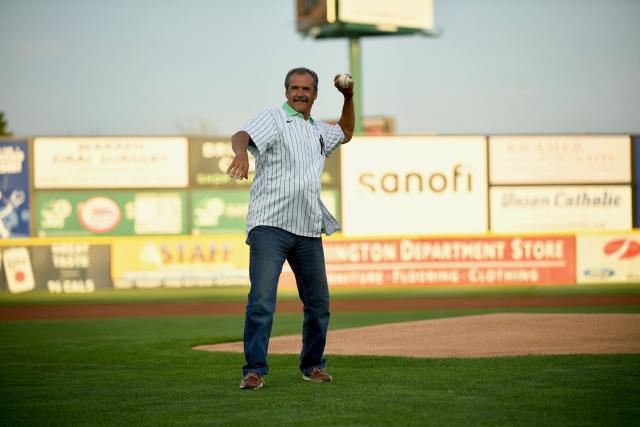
290,153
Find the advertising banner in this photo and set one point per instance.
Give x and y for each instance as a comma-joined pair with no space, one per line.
609,258
388,14
525,260
637,177
210,158
110,162
331,200
14,189
56,268
561,208
331,177
180,262
17,270
579,159
115,213
225,211
208,163
219,211
414,185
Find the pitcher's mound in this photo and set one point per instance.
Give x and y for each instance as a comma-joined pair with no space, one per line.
489,335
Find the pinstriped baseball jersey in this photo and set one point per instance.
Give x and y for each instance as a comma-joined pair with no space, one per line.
290,153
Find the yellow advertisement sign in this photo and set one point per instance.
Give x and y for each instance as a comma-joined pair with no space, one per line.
180,262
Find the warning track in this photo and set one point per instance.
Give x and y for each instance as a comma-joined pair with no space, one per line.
92,311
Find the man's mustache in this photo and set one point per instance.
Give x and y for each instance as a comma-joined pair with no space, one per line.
301,98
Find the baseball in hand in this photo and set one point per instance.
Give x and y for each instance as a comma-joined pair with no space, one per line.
345,80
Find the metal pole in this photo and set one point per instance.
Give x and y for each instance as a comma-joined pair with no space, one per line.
355,62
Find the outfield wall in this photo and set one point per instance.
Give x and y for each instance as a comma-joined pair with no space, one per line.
390,186
161,212
86,264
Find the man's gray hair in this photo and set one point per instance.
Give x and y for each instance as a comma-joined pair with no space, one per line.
301,70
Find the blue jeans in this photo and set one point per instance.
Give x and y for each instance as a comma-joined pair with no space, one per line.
269,248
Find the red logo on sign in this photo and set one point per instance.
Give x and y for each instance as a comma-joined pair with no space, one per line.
622,248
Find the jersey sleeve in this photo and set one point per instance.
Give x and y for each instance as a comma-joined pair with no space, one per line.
262,130
333,136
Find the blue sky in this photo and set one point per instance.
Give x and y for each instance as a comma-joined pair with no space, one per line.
142,67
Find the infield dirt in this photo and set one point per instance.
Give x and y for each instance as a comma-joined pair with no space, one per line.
491,335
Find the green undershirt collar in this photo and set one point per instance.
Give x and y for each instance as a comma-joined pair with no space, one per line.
293,113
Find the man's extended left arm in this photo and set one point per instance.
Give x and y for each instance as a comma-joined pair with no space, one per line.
347,118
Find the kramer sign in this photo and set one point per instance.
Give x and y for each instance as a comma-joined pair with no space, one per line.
560,159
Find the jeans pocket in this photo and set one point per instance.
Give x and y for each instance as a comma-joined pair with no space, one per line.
252,232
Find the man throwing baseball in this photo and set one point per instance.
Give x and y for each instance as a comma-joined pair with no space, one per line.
286,218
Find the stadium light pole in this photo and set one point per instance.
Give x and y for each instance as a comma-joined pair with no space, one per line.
329,19
355,62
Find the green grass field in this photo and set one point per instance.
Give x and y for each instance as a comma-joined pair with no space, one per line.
143,372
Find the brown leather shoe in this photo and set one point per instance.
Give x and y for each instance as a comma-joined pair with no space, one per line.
252,380
318,375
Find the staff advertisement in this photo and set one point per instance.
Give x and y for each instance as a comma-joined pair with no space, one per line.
560,208
113,213
539,260
57,268
180,262
608,258
560,159
414,185
14,189
110,162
